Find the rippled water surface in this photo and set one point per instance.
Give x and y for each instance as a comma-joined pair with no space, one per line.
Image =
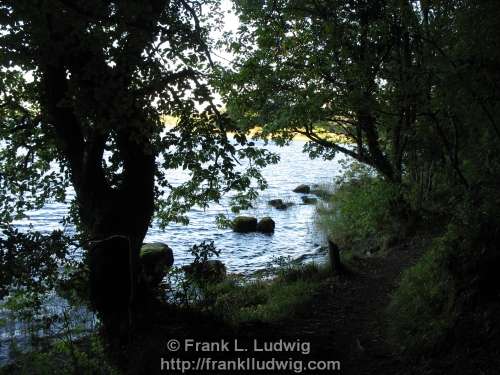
294,236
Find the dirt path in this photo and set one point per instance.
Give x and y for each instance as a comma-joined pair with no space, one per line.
345,323
347,317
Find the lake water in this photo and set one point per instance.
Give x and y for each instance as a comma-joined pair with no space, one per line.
295,235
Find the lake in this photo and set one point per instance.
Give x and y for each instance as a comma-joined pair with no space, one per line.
295,235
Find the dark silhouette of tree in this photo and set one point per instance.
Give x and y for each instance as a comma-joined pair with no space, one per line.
383,73
83,88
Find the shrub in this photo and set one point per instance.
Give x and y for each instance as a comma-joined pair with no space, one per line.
421,309
457,278
359,210
63,357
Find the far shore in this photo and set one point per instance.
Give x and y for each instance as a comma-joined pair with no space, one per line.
170,122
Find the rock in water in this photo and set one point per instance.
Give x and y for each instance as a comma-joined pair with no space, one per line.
244,224
266,225
156,258
305,189
309,200
279,204
275,203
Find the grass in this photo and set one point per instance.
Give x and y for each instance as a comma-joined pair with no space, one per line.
421,309
267,300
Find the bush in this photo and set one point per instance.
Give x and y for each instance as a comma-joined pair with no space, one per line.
63,357
359,210
58,333
421,310
453,282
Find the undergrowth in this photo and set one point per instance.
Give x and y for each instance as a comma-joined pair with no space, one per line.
263,297
357,216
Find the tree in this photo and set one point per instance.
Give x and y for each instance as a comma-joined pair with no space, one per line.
83,88
321,67
392,76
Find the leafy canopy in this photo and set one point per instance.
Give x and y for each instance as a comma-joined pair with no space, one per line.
127,63
83,88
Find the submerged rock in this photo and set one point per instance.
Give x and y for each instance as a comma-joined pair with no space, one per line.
309,200
304,189
285,206
266,225
275,202
244,224
156,258
279,204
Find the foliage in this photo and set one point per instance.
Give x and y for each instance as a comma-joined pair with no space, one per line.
411,83
282,292
422,311
84,87
359,210
58,338
456,279
32,261
316,69
83,356
162,66
204,251
179,289
183,288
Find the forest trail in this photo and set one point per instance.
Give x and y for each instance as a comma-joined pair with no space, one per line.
344,321
347,320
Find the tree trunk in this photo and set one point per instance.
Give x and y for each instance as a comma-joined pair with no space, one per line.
334,258
113,283
117,232
115,218
117,225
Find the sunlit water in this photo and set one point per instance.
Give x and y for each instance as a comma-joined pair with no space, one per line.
295,235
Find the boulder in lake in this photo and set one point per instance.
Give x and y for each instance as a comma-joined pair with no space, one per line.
156,258
304,189
266,225
279,204
244,224
285,206
309,200
275,202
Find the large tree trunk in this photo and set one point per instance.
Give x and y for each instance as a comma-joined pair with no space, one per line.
113,258
117,225
114,219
